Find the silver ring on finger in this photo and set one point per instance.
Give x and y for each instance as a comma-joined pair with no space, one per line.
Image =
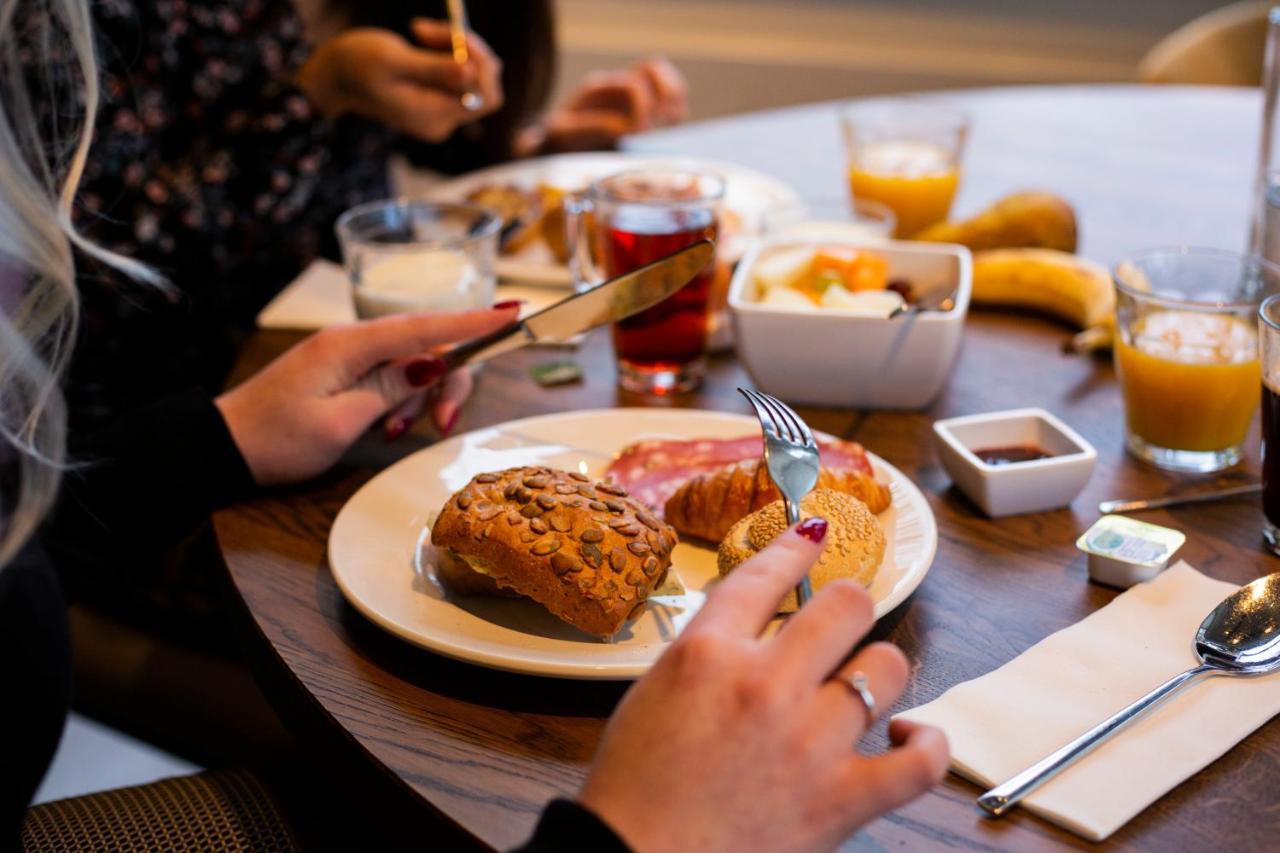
856,682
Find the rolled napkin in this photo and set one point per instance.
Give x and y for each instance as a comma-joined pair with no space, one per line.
1004,722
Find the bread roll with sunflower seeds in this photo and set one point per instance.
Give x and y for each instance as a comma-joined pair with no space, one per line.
583,550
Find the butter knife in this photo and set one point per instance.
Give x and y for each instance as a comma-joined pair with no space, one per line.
610,301
1177,500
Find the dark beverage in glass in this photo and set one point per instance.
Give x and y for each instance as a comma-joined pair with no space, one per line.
1271,465
638,217
1269,348
671,337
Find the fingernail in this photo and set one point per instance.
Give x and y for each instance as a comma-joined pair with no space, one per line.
813,529
424,371
394,428
450,420
507,304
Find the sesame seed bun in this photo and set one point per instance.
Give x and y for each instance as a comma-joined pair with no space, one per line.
854,547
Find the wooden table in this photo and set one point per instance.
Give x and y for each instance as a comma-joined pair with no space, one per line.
488,749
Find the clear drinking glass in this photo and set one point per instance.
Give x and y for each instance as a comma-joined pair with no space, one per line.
1264,237
905,153
1186,353
627,220
1269,333
417,256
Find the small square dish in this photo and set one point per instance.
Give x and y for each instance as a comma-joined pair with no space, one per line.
1015,461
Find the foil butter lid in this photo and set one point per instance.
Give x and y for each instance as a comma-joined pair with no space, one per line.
1123,551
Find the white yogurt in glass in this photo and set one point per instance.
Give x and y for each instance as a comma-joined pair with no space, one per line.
425,280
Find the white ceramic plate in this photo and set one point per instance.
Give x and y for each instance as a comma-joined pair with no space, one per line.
754,197
378,539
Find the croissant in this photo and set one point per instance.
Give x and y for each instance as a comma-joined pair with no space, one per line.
709,504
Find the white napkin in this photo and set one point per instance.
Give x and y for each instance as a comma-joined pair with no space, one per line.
1005,721
321,296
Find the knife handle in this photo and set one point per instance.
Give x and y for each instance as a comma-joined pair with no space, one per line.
465,351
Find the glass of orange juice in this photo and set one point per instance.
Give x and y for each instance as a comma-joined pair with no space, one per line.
1186,353
905,153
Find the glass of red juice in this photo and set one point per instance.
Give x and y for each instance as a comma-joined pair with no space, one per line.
634,218
1269,344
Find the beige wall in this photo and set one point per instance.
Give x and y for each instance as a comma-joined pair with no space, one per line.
753,54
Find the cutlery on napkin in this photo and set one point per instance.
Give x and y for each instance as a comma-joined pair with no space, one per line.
1005,721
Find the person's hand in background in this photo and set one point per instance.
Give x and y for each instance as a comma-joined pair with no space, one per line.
299,414
413,89
607,105
748,742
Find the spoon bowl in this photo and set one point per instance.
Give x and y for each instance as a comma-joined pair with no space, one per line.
1242,634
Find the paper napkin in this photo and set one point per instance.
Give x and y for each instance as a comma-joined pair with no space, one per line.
1003,722
321,296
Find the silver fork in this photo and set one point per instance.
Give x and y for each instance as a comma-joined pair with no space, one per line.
791,456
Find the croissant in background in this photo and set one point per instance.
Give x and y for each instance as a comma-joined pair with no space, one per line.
709,504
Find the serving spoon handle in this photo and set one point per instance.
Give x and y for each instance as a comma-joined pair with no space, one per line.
1001,798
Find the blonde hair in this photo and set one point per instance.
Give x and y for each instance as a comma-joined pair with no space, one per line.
38,184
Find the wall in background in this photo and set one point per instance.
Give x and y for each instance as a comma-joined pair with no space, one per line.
753,54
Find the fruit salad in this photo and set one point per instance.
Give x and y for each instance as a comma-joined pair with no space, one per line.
834,277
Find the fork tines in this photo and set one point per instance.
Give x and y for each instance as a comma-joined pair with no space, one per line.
779,418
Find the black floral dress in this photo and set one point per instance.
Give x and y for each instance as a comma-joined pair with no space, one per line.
211,165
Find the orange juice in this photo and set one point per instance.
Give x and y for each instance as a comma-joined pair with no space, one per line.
916,179
1190,380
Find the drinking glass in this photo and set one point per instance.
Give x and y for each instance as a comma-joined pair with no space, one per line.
905,153
1264,236
1269,332
627,220
418,256
1186,353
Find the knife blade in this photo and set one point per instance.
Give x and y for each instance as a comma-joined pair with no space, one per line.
610,301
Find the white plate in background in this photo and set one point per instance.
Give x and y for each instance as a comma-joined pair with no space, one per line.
754,197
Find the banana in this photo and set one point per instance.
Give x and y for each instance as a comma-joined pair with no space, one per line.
1070,288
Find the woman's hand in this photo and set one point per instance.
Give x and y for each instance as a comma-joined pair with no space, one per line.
299,414
610,104
748,739
412,89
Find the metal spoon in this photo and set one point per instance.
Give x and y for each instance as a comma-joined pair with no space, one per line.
938,302
1240,637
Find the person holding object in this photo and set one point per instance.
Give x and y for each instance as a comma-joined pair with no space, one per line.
750,739
767,720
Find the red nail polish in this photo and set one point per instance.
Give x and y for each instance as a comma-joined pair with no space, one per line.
813,529
451,422
507,304
394,429
424,371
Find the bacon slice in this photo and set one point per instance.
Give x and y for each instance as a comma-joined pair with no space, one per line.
653,469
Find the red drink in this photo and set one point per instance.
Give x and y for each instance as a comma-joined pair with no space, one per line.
670,337
642,216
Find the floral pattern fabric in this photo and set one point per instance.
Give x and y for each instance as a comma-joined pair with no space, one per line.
211,165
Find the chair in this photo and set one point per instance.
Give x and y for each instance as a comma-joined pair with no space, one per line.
1222,47
223,810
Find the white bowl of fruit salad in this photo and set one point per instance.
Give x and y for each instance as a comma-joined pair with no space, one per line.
873,324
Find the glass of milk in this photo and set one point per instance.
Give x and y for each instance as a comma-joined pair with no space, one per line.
404,256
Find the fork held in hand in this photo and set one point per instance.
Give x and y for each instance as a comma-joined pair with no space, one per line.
791,457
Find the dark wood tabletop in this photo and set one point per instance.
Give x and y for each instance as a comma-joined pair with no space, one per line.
487,749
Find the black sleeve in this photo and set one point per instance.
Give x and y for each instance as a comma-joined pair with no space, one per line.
566,825
149,478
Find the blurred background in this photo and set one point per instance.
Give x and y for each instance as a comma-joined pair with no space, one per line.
752,54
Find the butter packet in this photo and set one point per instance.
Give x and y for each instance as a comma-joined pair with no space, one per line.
1123,551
